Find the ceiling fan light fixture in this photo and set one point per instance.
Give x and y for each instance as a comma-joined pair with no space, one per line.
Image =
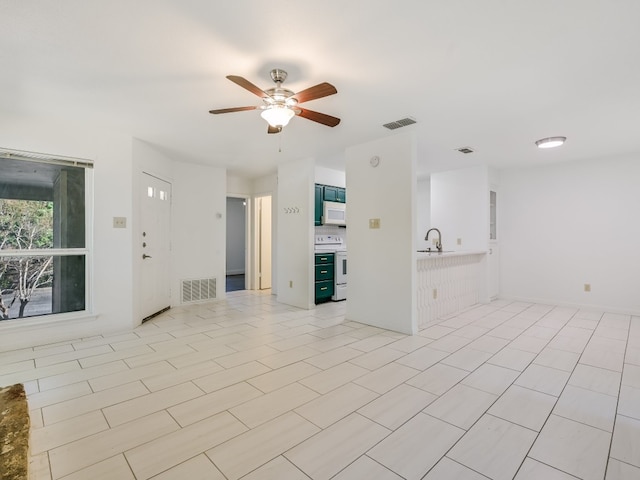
277,115
550,142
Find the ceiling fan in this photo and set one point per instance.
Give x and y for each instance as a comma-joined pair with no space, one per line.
281,104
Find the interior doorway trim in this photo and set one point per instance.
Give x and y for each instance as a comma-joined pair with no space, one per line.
248,280
263,239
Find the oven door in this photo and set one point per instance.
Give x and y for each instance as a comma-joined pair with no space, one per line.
340,276
341,268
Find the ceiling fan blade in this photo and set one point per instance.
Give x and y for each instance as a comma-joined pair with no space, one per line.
229,110
321,90
246,84
274,129
322,118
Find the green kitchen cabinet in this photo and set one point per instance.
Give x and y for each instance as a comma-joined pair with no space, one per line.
330,193
334,194
324,276
318,204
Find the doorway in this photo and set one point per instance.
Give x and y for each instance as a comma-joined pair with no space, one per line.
263,242
236,244
155,248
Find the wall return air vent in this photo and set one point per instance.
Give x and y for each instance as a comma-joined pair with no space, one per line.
403,122
198,290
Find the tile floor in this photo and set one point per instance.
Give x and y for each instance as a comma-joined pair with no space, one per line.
249,388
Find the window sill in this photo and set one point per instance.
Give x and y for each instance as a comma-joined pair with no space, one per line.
47,320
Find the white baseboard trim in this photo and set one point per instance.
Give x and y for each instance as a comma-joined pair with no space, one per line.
581,306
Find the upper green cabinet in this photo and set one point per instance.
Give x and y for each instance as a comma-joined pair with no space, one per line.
318,202
330,194
327,193
334,194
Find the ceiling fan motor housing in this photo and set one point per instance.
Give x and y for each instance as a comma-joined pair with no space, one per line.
278,75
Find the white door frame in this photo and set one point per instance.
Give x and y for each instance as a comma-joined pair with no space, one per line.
260,214
255,250
248,277
493,253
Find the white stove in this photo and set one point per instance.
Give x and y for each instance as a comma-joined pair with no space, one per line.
335,244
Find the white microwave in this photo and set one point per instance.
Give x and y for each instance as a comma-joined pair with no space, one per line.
334,213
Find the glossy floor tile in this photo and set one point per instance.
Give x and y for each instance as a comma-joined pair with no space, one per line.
248,388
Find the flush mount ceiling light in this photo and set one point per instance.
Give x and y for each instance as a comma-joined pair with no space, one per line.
550,142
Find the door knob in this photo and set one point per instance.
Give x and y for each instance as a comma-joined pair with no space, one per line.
145,256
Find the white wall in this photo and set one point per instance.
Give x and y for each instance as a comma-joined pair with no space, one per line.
329,176
382,262
239,186
423,211
236,235
295,234
112,248
198,225
460,208
564,225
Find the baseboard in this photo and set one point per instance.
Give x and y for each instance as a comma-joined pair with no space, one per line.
581,306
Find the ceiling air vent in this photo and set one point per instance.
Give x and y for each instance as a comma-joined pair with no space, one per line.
403,122
465,150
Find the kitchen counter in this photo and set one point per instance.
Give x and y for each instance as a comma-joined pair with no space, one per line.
448,253
448,282
330,250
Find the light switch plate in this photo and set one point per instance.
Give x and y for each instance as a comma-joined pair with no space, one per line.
374,223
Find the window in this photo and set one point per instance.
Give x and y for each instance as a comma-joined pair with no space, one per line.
44,249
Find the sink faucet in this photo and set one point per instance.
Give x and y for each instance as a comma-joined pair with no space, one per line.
439,242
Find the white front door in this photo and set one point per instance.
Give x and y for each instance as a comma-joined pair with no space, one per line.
155,209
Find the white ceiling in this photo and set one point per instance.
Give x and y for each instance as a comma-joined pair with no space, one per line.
495,75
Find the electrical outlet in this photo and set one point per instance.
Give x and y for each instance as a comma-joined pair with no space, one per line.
587,287
374,223
290,283
119,222
434,241
435,293
459,241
